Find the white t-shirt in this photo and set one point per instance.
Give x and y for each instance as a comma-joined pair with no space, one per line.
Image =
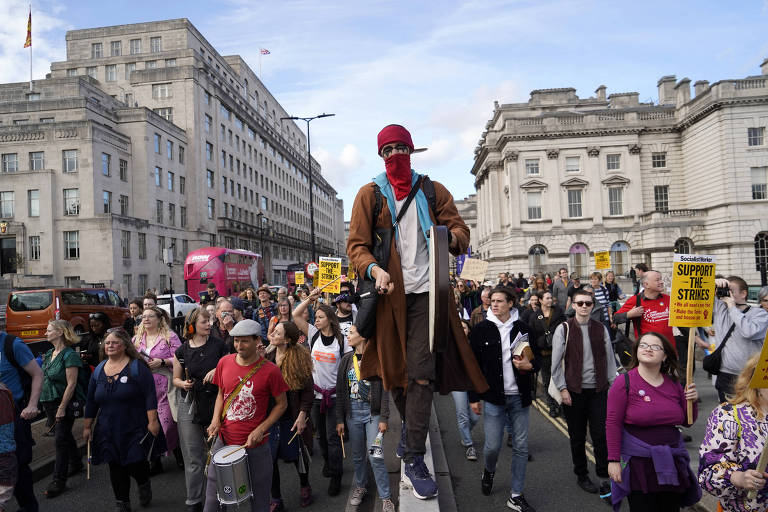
413,251
325,361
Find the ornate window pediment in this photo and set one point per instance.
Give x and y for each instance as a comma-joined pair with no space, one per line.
533,185
615,181
574,183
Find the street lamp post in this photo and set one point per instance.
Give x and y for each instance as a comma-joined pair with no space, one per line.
261,217
309,168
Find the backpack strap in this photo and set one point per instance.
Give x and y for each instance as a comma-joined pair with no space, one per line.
377,206
428,187
8,342
99,369
314,339
134,369
626,382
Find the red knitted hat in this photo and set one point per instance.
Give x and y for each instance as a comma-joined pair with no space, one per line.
396,133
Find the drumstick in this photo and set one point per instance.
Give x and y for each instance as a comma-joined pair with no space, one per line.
88,461
364,295
294,437
343,452
239,448
52,426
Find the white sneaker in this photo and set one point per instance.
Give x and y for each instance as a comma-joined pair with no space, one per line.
357,496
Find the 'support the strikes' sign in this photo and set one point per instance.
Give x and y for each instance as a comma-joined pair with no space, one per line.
602,260
693,290
330,269
299,277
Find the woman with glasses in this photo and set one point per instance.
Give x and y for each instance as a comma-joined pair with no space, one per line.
283,315
121,418
157,343
647,458
62,400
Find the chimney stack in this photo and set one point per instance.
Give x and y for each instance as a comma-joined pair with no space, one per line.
699,87
666,86
683,90
764,66
600,91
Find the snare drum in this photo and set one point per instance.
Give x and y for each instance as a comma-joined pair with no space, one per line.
233,477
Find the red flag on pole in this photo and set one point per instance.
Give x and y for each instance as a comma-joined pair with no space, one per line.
28,42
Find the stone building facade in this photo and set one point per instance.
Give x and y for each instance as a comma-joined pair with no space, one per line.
560,177
199,151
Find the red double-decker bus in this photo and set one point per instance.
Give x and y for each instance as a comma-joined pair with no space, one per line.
231,270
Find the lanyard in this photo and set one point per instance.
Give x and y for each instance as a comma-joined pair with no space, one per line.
357,367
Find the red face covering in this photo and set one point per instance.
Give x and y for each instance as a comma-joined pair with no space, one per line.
399,174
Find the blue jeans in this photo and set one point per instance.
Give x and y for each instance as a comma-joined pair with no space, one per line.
363,429
465,417
517,416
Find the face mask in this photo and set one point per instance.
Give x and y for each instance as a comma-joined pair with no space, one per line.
399,174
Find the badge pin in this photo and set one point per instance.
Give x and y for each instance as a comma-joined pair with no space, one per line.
124,379
647,398
641,392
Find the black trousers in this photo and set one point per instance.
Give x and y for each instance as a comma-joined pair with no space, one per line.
66,448
330,443
120,476
588,409
23,491
654,502
414,403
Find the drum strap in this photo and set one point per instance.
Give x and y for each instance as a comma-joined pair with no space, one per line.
239,386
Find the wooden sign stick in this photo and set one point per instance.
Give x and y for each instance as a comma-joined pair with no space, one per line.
689,368
326,285
761,463
88,461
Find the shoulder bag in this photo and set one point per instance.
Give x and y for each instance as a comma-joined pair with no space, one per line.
713,361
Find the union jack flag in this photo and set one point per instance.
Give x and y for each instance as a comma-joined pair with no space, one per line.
264,51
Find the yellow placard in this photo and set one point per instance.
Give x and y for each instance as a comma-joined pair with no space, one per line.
474,270
693,290
299,277
602,260
330,270
760,378
350,274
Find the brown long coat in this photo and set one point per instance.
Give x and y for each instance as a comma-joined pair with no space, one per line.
456,368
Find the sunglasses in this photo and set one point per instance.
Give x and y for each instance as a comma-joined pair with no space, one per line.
582,303
114,329
387,150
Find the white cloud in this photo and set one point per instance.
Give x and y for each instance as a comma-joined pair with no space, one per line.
339,169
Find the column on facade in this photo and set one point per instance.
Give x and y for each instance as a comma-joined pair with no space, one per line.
494,184
513,206
597,193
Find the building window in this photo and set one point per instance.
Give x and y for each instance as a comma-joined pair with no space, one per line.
615,203
34,248
579,259
759,182
169,149
36,161
129,68
761,251
185,248
211,208
159,211
661,198
225,112
124,205
532,166
572,164
207,97
91,71
125,243
210,178
72,72
143,283
115,48
158,176
6,205
163,280
96,51
33,202
157,143
127,283
537,258
105,163
209,151
659,160
164,112
181,154
10,162
171,214
160,247
534,205
107,200
613,162
69,160
756,136
574,203
161,91
142,247
171,177
71,245
183,217
620,257
135,49
150,64
47,119
110,73
182,185
208,122
683,246
71,201
123,170
155,44
170,63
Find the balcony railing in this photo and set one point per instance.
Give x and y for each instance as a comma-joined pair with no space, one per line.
673,214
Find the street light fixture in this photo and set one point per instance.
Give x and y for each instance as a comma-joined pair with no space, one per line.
311,187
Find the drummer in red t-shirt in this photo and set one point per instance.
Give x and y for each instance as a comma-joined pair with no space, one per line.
245,421
652,311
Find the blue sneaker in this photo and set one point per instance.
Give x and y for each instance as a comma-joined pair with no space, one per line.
400,451
417,474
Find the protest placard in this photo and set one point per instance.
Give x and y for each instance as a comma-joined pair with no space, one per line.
299,277
474,270
693,290
330,271
602,260
760,377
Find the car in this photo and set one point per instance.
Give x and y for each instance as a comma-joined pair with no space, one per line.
182,304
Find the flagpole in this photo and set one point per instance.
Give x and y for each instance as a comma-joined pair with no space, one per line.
262,81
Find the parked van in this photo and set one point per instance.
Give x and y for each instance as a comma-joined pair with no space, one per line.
29,311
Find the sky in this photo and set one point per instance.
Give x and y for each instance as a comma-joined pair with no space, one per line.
435,67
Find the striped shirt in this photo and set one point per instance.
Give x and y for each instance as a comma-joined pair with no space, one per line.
601,296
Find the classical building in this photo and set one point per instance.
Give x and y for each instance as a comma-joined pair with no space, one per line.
560,177
146,138
467,208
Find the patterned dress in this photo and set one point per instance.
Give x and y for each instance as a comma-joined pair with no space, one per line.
733,442
163,349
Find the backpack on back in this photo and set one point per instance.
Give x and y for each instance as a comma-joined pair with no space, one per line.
24,378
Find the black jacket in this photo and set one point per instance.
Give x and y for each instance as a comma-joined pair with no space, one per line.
540,335
485,341
378,398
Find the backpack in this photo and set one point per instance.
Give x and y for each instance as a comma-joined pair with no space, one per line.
24,378
317,335
134,369
427,186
